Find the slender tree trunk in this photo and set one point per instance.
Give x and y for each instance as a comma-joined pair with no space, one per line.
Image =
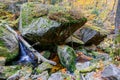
117,31
117,19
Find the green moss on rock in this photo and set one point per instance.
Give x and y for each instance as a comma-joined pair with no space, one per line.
8,71
42,67
67,57
8,44
52,25
62,14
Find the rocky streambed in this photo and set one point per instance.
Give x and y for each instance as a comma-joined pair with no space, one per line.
57,33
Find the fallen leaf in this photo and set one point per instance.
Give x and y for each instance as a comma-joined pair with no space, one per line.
63,70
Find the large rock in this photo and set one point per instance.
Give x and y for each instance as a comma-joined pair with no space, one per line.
111,71
56,76
20,72
43,76
81,66
42,67
8,44
92,35
49,24
91,76
67,57
7,71
61,76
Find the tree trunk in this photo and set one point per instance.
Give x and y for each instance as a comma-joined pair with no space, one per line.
117,19
117,31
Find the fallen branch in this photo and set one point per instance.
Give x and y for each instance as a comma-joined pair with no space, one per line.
29,47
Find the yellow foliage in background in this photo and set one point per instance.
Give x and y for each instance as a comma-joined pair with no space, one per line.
97,11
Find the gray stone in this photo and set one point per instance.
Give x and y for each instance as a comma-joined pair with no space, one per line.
43,76
7,71
64,76
111,70
91,36
42,67
90,76
56,76
103,56
26,72
81,66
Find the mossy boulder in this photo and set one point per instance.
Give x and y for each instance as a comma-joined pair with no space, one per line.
67,57
49,24
42,67
7,71
8,44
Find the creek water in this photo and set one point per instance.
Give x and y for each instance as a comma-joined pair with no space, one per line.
26,56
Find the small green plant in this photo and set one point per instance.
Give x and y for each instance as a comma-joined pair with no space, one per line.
117,45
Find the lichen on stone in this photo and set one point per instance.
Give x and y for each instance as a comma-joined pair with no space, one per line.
8,44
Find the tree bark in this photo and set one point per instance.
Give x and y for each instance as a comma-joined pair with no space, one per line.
117,19
117,31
